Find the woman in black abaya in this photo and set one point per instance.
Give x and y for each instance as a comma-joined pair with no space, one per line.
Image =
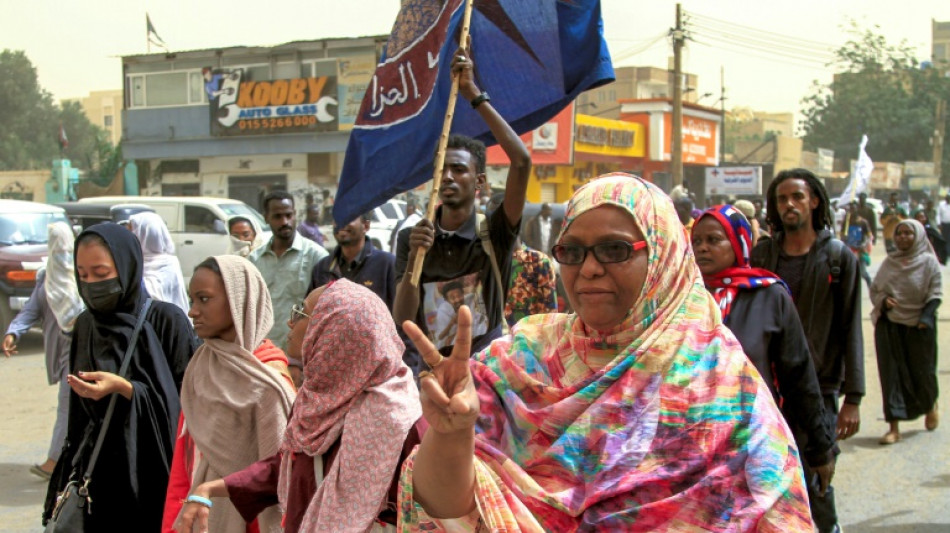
129,480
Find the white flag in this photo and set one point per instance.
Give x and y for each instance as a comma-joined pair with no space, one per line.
861,176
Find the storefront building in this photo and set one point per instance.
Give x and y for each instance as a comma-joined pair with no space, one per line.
701,140
569,150
240,122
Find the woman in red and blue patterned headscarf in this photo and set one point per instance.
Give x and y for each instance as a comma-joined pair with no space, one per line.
729,278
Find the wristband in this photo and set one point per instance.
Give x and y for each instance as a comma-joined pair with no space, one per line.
199,500
480,99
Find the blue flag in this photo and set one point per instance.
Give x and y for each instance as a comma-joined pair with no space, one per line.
533,56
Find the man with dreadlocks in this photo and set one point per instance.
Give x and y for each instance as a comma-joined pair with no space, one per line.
822,275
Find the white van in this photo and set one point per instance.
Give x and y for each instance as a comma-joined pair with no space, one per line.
198,224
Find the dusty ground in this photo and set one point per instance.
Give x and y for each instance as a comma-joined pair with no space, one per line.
903,488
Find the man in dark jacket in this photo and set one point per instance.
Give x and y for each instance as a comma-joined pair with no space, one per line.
823,277
356,259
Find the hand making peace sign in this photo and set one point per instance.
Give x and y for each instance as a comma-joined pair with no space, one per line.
447,392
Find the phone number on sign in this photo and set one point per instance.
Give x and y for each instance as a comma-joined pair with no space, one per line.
276,123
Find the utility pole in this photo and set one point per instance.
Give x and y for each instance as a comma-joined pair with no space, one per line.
940,122
676,144
722,115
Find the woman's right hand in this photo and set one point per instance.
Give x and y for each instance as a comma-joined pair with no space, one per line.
447,391
891,303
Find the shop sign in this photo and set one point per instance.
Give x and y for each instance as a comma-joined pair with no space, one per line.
733,180
610,138
922,183
700,140
245,107
545,137
600,136
919,169
886,175
354,76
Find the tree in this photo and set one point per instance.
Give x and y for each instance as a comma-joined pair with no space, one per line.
880,90
29,116
29,138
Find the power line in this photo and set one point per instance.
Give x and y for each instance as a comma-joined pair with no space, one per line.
797,53
764,33
758,47
639,49
762,55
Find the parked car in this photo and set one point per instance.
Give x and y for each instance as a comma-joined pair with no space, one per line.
85,214
198,224
23,236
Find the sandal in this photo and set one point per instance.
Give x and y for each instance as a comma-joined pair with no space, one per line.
35,469
890,437
932,419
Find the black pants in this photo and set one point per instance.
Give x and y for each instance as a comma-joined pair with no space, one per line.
823,510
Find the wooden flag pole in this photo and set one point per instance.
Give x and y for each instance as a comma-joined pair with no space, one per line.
443,141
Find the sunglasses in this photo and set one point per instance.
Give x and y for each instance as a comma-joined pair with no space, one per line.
297,313
604,252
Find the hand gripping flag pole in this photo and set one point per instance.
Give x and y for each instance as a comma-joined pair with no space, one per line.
443,142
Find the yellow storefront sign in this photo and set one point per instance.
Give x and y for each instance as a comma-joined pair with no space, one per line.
602,136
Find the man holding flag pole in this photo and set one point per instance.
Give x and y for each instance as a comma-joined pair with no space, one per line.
452,243
534,59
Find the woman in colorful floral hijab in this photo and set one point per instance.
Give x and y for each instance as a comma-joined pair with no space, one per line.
638,413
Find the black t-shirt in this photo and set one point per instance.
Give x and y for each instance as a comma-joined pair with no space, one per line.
791,268
457,271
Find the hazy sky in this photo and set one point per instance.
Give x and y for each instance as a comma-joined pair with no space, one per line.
76,46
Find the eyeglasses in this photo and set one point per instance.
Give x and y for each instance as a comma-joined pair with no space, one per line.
297,313
604,252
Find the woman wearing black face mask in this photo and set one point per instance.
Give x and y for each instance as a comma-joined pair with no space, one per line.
129,480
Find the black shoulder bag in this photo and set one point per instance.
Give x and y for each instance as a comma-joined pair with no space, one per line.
74,502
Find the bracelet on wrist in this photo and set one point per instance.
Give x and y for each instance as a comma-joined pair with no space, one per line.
480,99
199,500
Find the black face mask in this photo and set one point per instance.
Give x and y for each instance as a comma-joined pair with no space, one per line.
102,295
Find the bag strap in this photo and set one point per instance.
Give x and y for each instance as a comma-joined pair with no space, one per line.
485,236
127,359
834,259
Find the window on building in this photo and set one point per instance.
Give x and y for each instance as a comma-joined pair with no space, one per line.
322,67
169,88
196,85
941,52
285,71
156,89
257,72
107,121
137,88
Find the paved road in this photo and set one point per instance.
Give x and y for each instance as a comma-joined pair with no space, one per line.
903,488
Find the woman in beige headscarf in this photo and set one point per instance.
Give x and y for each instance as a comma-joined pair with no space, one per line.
236,396
906,293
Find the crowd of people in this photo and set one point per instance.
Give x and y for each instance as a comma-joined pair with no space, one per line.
707,365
